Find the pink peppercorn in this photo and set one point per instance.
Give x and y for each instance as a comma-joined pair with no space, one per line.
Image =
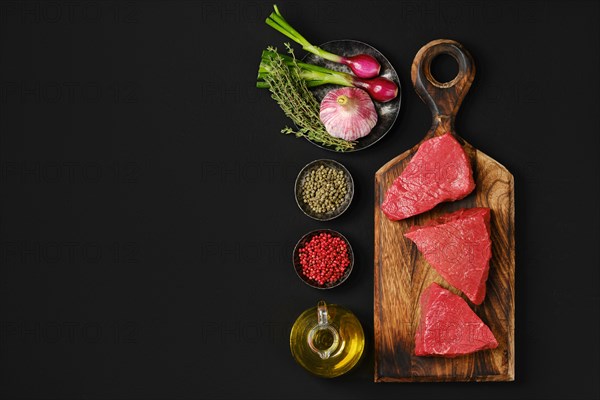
324,259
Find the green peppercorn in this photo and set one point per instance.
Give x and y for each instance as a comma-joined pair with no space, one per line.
324,189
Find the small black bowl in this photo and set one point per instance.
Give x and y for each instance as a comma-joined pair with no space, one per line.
298,267
302,177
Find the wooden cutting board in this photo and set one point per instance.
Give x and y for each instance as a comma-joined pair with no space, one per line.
401,272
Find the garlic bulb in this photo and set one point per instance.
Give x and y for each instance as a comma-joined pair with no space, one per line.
348,113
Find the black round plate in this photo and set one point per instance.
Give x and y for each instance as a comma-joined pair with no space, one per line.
386,112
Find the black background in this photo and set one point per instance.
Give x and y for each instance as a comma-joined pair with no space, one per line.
147,210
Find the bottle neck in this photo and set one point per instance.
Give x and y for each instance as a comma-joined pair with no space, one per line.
323,338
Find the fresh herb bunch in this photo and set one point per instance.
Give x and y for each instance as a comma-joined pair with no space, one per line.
290,91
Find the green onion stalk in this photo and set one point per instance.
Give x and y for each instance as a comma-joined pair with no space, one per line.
362,65
380,89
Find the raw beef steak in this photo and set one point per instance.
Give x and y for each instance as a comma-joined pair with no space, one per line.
439,171
448,327
458,246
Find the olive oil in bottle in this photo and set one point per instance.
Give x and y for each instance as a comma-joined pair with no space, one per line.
327,340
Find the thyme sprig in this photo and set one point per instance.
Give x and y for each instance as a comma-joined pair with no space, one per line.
290,91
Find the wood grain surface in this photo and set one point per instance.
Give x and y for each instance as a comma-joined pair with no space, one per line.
401,272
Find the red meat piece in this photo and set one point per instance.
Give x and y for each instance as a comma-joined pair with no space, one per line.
448,327
439,171
458,246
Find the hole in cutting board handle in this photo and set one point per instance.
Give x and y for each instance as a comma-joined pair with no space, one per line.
444,69
428,74
443,99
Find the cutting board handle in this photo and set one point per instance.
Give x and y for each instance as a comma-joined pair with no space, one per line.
443,99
